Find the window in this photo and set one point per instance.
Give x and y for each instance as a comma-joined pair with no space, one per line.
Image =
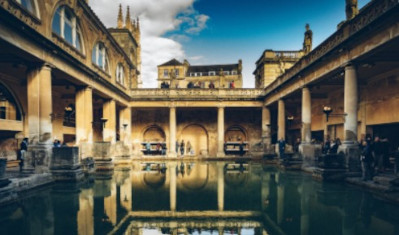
226,72
165,73
120,74
99,56
28,5
65,25
176,72
233,72
192,74
212,73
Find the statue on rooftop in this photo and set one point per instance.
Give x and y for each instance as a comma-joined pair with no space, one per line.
307,42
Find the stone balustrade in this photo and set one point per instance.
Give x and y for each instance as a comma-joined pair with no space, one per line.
197,94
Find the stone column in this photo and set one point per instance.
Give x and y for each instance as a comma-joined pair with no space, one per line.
172,186
220,152
308,151
39,120
125,129
84,115
306,136
172,132
281,120
350,105
266,137
350,147
84,120
109,113
220,167
40,104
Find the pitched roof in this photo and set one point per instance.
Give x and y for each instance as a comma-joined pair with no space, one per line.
172,62
216,68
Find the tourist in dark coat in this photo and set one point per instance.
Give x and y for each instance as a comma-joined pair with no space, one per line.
281,148
366,160
182,145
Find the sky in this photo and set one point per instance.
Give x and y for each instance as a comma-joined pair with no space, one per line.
222,31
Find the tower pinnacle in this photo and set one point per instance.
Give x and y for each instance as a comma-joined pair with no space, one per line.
120,17
128,21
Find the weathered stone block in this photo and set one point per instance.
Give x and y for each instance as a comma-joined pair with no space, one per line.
310,153
3,180
351,152
37,158
65,158
65,164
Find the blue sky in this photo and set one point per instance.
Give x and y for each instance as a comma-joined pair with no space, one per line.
223,31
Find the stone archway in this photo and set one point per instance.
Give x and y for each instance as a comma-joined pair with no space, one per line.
198,137
235,133
11,123
154,133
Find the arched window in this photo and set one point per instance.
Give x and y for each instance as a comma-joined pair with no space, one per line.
99,56
8,106
65,25
28,5
120,75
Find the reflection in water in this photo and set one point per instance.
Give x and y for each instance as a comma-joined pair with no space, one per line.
199,198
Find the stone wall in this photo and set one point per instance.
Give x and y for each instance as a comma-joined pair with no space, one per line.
199,125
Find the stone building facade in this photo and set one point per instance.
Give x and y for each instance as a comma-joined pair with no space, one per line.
183,75
64,76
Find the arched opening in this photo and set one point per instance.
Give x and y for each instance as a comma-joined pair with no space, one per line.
10,123
196,137
235,133
154,134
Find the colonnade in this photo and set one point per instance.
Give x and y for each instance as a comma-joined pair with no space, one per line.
350,113
40,116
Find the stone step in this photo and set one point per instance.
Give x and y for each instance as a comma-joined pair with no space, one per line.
387,180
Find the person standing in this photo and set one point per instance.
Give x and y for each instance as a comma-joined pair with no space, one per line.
24,149
242,152
189,147
148,148
366,160
385,153
281,148
378,152
177,147
182,145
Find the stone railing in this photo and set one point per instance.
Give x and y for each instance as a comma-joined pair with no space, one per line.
197,94
368,14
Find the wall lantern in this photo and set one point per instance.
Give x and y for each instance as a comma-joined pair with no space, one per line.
103,121
124,126
327,110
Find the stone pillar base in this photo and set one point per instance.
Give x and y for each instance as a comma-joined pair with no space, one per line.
172,155
37,158
3,180
220,154
351,154
310,153
65,164
102,156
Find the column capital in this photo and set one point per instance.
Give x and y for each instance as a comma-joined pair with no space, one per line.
348,65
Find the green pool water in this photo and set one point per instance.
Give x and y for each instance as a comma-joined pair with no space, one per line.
199,198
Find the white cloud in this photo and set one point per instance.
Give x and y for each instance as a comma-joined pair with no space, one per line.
157,17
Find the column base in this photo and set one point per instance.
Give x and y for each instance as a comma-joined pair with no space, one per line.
37,158
221,154
310,153
65,164
172,155
102,156
351,153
